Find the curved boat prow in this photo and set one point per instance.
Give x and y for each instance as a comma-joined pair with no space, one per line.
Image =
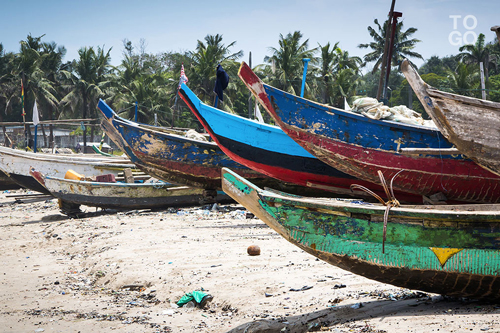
420,88
235,186
190,94
105,109
255,85
246,194
496,29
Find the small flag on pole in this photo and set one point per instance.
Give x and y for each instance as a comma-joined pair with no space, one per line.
346,105
184,78
258,115
36,119
22,97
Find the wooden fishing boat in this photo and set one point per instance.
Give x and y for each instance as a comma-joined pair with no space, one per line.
120,195
361,146
268,150
16,163
171,156
496,29
451,250
469,123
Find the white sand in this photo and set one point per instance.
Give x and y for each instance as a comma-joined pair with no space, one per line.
66,275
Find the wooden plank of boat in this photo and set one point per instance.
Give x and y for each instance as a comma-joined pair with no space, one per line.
429,151
122,195
471,124
16,163
451,250
361,146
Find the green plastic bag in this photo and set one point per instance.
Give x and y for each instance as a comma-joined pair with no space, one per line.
197,296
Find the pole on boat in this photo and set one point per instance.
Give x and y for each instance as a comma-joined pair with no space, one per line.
136,111
36,134
36,120
394,20
250,96
384,55
24,115
306,62
496,29
483,88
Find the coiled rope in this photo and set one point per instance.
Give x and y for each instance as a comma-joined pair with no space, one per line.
389,192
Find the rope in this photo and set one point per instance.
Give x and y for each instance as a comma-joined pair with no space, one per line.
149,109
392,202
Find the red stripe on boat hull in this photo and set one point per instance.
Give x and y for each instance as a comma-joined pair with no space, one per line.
421,175
336,185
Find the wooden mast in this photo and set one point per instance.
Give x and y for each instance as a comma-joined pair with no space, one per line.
386,48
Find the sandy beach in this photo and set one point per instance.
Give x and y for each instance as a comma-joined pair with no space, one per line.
125,271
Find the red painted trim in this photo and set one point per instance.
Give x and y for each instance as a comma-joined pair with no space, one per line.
421,175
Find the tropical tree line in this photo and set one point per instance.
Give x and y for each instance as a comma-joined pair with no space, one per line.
71,89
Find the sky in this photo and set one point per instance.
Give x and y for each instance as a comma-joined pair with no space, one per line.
255,26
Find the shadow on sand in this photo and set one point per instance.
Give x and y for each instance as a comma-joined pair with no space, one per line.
382,309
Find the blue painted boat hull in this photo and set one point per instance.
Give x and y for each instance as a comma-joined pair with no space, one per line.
267,149
172,157
361,147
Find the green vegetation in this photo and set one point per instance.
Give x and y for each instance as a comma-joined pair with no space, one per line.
71,90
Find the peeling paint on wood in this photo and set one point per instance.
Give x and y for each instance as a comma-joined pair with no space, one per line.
122,195
361,147
267,149
461,260
16,163
170,156
471,124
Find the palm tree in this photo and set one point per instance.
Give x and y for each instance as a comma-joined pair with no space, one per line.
346,82
85,84
205,59
149,82
403,45
9,90
151,92
51,64
286,62
327,63
477,53
344,60
335,67
464,80
129,69
28,66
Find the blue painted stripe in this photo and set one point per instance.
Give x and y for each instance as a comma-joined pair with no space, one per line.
352,128
248,131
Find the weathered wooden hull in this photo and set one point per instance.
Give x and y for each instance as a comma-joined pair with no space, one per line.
362,146
171,157
268,150
471,124
7,183
452,250
17,163
121,195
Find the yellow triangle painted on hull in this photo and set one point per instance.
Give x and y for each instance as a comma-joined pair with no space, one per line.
443,254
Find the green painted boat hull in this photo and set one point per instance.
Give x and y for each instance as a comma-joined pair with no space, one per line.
451,250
